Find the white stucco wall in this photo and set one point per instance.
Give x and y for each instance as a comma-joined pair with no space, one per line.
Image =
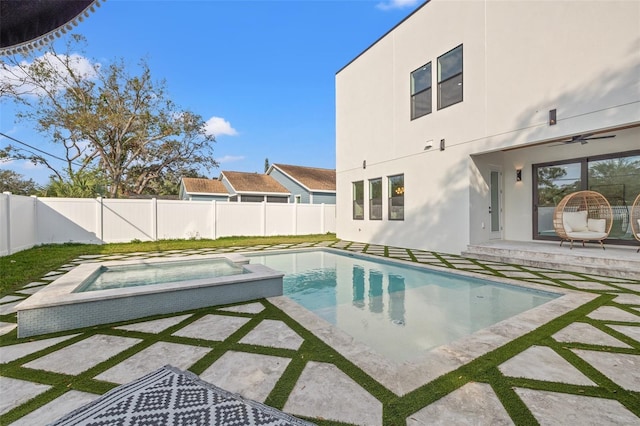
521,59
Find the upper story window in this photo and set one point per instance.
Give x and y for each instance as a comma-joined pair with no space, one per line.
358,200
421,91
375,199
396,197
450,78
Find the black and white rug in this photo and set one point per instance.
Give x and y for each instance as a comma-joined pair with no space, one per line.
170,396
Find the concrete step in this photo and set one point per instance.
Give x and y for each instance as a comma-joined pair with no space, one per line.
615,261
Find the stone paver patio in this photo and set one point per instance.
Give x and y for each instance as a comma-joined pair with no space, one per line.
582,368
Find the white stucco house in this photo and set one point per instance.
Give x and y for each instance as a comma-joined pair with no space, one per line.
470,119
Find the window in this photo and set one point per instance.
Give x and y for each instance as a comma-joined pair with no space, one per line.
276,199
616,176
450,78
358,200
421,91
375,199
396,197
251,198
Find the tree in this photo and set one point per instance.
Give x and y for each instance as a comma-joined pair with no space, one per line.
551,189
618,179
266,165
13,182
83,184
106,120
168,183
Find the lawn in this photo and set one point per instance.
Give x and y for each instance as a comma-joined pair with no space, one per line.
29,265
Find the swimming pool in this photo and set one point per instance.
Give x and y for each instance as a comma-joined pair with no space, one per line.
398,310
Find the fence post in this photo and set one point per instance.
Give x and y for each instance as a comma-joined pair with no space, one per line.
7,222
154,219
295,218
36,228
100,220
322,213
214,217
264,218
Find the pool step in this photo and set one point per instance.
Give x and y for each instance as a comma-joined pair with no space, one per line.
615,261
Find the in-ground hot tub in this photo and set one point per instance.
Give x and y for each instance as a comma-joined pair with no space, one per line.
154,287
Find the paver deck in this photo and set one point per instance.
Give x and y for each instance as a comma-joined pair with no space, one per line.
583,368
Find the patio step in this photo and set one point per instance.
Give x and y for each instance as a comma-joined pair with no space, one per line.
615,261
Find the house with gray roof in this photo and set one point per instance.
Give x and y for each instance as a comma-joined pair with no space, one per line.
308,185
202,189
253,187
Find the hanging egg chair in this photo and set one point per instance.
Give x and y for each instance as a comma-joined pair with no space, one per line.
635,219
583,216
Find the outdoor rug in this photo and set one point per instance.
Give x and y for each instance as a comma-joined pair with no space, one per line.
170,396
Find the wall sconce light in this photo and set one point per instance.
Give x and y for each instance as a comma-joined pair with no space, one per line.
364,164
441,144
518,175
552,117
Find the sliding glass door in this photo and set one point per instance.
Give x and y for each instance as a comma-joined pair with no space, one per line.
616,176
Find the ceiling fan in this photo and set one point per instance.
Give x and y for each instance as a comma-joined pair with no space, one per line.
583,139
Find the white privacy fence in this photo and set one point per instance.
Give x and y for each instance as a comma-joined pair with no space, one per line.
29,221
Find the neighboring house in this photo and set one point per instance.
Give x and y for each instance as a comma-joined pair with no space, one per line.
470,120
254,187
202,189
308,185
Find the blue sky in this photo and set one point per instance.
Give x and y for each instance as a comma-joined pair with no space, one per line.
262,71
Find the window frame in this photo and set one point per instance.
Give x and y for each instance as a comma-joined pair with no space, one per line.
354,200
414,94
373,210
452,77
391,214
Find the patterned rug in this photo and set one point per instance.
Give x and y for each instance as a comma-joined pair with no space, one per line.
170,396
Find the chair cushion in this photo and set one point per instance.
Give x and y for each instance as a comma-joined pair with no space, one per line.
575,221
596,225
587,235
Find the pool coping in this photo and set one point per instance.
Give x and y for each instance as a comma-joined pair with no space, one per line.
404,377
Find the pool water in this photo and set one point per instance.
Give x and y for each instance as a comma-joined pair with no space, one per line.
397,310
158,273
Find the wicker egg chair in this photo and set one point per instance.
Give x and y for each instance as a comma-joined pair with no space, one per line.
635,219
583,216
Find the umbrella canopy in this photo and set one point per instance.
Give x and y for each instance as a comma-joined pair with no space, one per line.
27,24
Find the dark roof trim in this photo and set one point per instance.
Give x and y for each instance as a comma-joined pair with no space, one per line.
383,36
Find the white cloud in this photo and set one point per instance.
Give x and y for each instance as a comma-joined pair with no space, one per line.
396,4
14,75
230,159
28,165
218,126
